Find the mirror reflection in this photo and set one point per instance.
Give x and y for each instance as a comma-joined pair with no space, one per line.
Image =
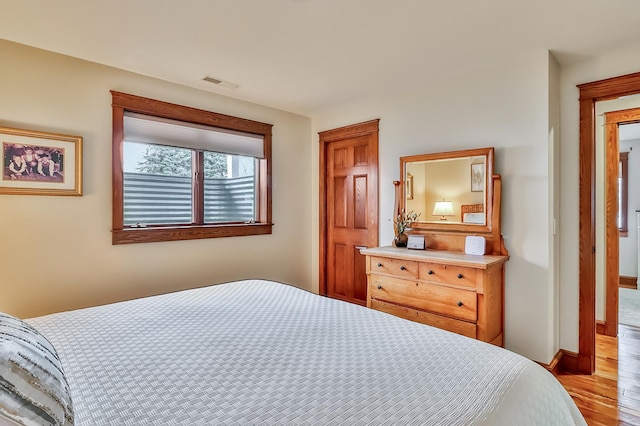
448,190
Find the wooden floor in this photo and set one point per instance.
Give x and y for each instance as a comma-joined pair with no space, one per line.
611,396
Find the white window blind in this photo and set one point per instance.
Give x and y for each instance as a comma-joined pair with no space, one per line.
161,131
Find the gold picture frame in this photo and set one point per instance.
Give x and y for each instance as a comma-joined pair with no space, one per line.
409,188
477,177
40,163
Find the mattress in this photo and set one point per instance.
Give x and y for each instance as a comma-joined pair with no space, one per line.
260,352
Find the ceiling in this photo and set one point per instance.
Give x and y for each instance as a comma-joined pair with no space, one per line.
306,56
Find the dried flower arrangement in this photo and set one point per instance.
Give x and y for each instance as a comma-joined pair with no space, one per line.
404,219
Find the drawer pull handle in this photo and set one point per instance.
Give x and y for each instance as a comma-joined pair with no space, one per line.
459,275
430,272
379,265
379,287
402,268
460,303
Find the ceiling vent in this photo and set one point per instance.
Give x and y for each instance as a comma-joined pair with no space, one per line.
223,83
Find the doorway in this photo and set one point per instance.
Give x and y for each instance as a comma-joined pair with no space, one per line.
616,212
590,93
348,208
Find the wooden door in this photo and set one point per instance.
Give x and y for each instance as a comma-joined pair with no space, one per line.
349,209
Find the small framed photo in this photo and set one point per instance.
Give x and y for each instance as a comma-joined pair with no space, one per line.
409,186
39,163
477,177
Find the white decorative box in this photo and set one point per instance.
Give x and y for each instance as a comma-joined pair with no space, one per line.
474,245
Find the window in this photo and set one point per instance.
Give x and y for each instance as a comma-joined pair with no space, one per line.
182,173
623,191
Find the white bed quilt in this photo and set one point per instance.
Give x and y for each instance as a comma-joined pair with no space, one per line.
258,352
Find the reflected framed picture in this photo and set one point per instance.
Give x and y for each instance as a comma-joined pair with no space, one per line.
39,163
409,186
477,177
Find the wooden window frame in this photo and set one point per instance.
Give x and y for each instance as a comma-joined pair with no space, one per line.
121,234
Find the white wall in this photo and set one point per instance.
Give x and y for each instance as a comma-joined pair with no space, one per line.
619,61
508,107
56,252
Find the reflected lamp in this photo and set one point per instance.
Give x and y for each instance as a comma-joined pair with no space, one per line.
443,208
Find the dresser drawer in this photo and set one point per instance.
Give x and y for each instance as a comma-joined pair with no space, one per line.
456,326
458,275
395,267
452,302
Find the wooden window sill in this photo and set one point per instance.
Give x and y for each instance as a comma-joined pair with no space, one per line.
190,232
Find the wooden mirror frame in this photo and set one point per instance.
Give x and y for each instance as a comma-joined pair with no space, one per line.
452,236
488,190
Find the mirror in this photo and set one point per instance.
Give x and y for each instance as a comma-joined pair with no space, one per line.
450,190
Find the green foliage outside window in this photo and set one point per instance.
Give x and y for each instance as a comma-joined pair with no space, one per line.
165,160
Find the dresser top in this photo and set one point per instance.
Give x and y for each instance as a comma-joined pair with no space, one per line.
440,256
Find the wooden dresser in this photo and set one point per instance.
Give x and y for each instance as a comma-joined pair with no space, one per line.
446,289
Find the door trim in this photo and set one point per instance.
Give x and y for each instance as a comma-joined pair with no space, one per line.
612,239
327,136
590,93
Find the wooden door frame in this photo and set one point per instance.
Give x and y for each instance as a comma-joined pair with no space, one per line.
590,93
613,120
346,132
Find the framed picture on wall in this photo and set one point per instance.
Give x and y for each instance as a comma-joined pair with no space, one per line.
477,177
39,163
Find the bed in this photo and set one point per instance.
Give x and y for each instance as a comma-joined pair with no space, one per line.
472,213
260,352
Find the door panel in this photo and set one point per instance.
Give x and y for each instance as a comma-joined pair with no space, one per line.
339,288
339,201
359,274
360,202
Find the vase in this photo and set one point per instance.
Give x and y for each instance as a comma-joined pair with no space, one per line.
401,240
